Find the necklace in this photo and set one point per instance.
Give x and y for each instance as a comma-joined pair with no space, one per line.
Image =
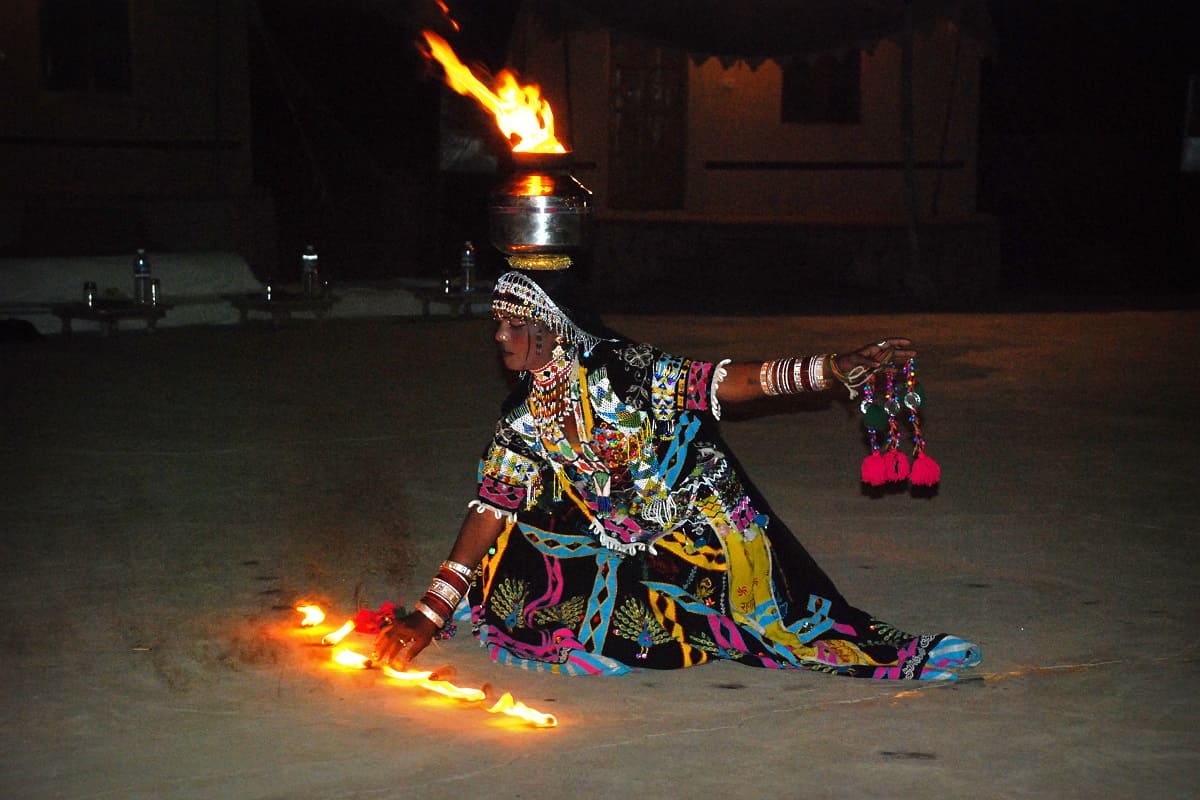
550,396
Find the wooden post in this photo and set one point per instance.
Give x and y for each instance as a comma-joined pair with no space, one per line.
910,159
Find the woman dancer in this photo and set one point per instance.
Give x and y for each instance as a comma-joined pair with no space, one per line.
613,528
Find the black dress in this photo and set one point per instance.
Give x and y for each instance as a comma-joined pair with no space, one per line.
645,546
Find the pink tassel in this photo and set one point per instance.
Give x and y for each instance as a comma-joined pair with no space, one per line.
925,471
874,470
895,465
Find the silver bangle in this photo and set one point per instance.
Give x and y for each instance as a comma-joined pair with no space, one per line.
430,614
816,371
461,569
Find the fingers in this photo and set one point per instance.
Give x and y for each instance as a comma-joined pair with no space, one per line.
889,350
399,644
391,643
885,354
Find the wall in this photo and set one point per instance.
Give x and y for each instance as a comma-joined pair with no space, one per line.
733,116
167,164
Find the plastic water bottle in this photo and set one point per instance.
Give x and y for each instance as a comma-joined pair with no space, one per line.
141,279
310,279
466,262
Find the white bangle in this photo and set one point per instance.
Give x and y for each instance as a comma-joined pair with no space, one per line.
719,375
816,373
430,614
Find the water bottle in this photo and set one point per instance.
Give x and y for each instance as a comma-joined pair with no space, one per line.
141,279
466,262
310,279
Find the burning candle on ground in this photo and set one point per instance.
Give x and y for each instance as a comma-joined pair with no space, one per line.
515,708
313,615
425,680
346,657
341,633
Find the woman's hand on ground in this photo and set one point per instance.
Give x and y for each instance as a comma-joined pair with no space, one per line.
399,643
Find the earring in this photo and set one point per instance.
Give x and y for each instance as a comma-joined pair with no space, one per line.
558,352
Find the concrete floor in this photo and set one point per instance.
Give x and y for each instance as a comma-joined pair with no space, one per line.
167,498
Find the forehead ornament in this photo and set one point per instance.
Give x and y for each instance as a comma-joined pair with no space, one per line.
516,295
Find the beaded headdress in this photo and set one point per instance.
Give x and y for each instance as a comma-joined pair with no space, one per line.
517,295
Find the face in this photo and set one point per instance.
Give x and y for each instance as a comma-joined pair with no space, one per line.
524,345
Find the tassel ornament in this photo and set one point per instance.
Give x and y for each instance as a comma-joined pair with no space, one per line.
874,471
887,462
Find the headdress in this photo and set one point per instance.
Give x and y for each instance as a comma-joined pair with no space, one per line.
518,295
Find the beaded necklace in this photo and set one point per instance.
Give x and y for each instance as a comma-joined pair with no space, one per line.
550,395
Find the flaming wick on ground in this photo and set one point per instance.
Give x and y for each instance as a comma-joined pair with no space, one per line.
337,636
425,680
346,657
515,708
313,615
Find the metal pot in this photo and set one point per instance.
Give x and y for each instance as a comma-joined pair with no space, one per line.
540,208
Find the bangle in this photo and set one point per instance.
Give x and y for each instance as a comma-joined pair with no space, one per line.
778,376
456,581
442,589
438,605
430,614
461,569
764,378
816,371
794,375
801,375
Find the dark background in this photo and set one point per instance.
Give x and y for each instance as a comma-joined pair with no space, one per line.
1080,133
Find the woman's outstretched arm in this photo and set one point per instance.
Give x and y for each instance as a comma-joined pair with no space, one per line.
749,380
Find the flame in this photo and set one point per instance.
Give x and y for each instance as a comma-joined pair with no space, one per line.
515,708
445,9
341,633
313,615
348,658
425,680
534,186
521,112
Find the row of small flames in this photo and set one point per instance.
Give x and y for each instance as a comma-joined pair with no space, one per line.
314,616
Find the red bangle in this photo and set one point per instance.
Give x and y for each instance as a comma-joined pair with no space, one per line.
437,604
454,579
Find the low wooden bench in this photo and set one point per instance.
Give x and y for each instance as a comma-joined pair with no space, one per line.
109,313
281,306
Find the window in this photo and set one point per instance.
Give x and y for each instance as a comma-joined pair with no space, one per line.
85,46
825,89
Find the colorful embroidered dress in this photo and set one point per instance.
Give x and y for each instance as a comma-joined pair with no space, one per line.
644,546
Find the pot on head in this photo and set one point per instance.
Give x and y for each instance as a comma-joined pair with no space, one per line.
539,209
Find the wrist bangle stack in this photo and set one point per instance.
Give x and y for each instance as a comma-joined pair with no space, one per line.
793,375
444,592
